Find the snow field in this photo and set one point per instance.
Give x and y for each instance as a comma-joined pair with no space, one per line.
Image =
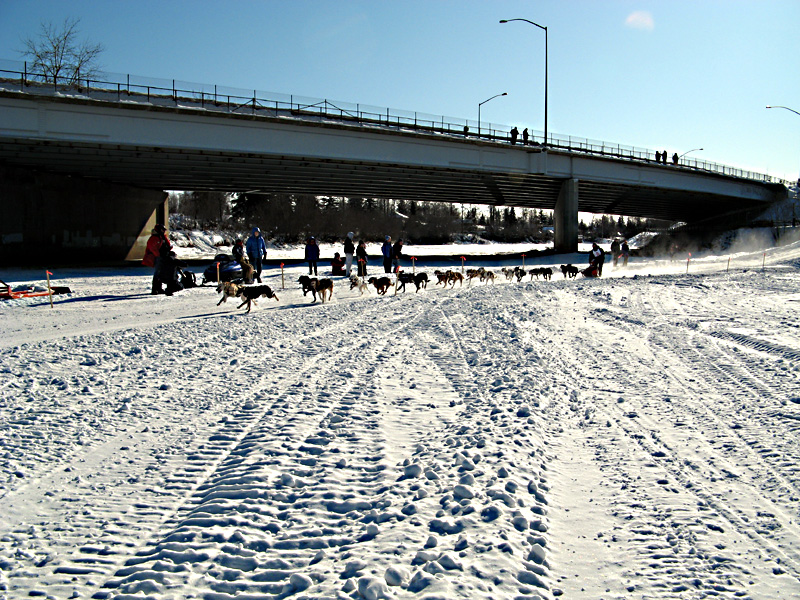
627,437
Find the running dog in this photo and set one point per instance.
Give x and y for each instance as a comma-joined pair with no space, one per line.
251,292
228,290
402,279
308,284
421,280
358,282
473,273
570,271
489,277
453,277
442,277
322,286
381,284
545,272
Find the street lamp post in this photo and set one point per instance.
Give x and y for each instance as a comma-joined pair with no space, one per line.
795,112
687,152
479,109
787,108
545,69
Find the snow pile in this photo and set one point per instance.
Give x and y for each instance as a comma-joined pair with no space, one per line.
633,436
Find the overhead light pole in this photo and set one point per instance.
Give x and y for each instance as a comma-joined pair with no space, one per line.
687,152
787,108
481,104
795,112
545,68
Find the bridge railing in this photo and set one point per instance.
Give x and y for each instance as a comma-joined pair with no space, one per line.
15,75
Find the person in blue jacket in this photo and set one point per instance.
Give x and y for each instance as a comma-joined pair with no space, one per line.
312,255
386,250
256,251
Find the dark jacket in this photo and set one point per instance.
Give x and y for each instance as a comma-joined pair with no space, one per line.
312,251
349,246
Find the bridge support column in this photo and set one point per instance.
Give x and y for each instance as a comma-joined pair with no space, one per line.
565,217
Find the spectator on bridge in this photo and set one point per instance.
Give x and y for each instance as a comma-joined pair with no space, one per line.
158,245
615,247
312,255
514,134
658,156
349,250
256,249
525,136
361,256
397,254
386,251
466,130
337,265
675,158
664,157
626,251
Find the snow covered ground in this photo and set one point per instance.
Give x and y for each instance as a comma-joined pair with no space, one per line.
635,436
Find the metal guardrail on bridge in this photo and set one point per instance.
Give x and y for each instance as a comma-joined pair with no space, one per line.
127,89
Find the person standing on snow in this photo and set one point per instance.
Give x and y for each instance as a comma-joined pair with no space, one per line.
626,251
256,251
312,255
386,250
615,251
349,250
158,245
361,256
397,254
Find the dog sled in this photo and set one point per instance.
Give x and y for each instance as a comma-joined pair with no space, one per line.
7,293
229,270
591,271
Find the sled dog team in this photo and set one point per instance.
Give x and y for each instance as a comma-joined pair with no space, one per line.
324,286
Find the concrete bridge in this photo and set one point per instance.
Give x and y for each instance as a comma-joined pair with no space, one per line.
168,141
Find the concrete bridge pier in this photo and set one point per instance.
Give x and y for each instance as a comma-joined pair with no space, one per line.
565,217
48,218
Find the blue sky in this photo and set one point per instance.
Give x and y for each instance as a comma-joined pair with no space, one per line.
671,75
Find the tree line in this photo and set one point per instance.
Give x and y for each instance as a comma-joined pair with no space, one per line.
291,218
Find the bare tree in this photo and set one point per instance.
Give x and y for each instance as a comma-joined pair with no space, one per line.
58,56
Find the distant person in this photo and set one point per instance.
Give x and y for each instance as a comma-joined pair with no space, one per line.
157,243
397,254
514,135
626,251
664,157
675,158
361,257
337,264
466,130
169,272
596,258
615,247
386,251
349,250
312,255
238,250
256,249
525,136
658,156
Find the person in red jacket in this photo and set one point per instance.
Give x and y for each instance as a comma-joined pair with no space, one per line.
157,245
